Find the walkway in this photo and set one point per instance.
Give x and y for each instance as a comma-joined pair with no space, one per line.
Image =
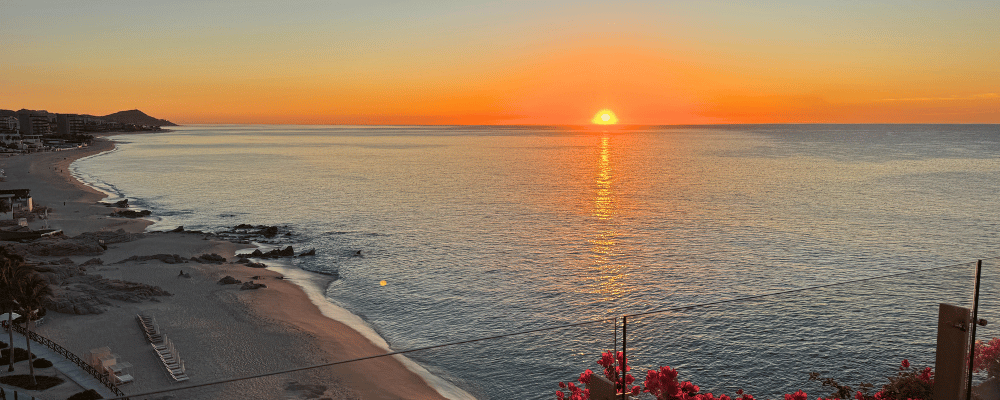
65,366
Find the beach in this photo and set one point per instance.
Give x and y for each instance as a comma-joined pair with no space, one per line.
220,331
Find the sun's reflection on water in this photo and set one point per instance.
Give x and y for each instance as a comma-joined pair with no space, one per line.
607,269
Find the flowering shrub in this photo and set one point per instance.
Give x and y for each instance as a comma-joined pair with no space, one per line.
612,370
910,383
663,384
988,357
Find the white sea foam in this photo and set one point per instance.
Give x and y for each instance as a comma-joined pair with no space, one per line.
313,285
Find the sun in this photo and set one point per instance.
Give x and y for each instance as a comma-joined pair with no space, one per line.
605,117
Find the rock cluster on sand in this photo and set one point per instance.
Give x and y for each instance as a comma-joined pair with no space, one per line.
228,280
56,247
76,292
252,286
85,244
110,237
209,259
166,258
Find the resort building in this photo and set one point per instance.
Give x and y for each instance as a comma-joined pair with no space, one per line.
69,124
34,123
19,199
10,125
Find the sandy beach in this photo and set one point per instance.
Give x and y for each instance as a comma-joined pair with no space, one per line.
220,331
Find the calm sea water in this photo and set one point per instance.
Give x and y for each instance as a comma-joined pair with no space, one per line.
481,231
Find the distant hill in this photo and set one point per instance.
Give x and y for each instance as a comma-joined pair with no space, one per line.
136,117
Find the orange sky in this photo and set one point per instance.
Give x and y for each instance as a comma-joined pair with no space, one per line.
506,62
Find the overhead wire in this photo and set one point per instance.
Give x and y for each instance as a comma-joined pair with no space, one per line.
537,330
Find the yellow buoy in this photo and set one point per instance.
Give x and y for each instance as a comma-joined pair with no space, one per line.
383,283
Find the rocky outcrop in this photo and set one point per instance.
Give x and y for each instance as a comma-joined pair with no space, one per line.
131,213
228,280
92,261
92,294
209,259
56,247
59,272
166,258
247,230
276,253
252,286
110,237
311,252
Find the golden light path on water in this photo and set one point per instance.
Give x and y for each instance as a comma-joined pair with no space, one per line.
604,246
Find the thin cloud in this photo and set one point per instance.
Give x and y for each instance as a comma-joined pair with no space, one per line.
982,96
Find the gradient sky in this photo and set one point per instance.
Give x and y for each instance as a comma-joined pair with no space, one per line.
505,62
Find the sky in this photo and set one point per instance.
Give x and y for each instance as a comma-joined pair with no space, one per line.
505,62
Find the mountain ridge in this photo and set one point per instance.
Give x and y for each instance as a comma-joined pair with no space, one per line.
133,117
136,117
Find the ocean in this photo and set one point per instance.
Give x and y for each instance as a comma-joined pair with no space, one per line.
481,231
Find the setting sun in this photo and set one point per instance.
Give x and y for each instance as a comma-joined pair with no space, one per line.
605,117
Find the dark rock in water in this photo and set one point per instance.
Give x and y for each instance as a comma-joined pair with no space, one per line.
178,229
166,258
276,253
269,232
122,204
288,234
311,252
243,226
228,280
256,265
92,261
209,259
243,260
131,213
252,286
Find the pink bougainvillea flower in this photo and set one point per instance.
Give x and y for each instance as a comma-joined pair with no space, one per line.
905,364
800,395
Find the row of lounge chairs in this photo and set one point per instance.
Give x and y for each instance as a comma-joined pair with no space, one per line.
163,347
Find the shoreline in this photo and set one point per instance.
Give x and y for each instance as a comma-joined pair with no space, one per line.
281,318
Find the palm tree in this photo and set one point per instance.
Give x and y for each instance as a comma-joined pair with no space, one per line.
31,293
12,271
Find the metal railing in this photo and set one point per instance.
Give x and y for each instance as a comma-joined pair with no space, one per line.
69,356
